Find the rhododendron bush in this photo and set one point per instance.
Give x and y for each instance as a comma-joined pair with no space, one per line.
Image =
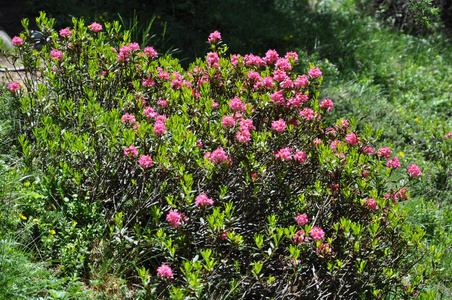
222,181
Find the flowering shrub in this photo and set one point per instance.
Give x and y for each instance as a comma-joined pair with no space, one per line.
295,208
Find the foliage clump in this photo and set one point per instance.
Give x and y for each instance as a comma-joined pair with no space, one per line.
221,181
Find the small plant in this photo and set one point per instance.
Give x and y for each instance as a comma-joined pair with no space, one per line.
223,180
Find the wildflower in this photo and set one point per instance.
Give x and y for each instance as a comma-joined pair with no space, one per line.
213,59
271,56
351,138
384,151
283,64
300,156
393,163
218,156
292,55
57,54
299,236
214,37
175,219
149,112
148,82
65,32
371,203
165,271
414,171
159,127
14,86
134,46
315,72
317,142
203,200
95,27
301,219
368,150
317,233
448,136
145,161
150,52
278,98
301,81
283,154
324,248
279,126
162,102
237,104
335,144
327,104
228,121
246,124
127,118
307,113
17,41
131,150
243,136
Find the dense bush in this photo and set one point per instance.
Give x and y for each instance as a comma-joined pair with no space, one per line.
222,181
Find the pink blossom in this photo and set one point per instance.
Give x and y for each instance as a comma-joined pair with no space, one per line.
65,32
150,52
295,102
292,55
134,46
317,142
213,59
267,82
448,136
302,97
365,173
237,104
214,37
393,163
145,161
243,136
368,150
414,171
384,151
315,72
283,154
159,128
17,41
254,76
307,113
301,81
279,126
148,82
301,219
203,200
149,112
228,121
283,64
278,98
165,271
57,54
344,123
351,138
218,156
175,219
162,102
235,59
299,237
246,124
163,75
327,103
128,118
271,56
95,27
214,104
280,75
14,86
317,233
324,248
371,203
287,83
251,59
131,151
402,194
330,131
300,156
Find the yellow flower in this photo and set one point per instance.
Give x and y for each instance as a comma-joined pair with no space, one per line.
401,154
437,56
52,231
417,119
22,216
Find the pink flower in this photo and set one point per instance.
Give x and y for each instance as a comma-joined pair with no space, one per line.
393,163
148,82
371,203
14,86
368,150
65,32
301,219
150,52
283,154
218,156
145,161
213,59
327,103
307,113
351,138
448,136
175,219
279,126
203,200
271,56
131,151
57,54
283,64
228,121
299,237
165,271
127,118
246,124
317,142
243,136
134,46
159,128
214,104
280,75
317,233
334,145
162,102
414,170
384,151
315,72
278,98
237,104
214,37
17,41
251,59
300,156
149,112
301,81
324,248
95,27
292,55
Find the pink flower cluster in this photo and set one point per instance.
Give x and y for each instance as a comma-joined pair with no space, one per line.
175,219
384,151
283,154
65,32
317,233
299,237
203,200
327,104
165,271
128,118
218,156
371,203
150,52
131,150
17,41
279,126
14,86
324,249
351,139
315,72
57,54
414,171
301,219
145,161
393,163
214,37
448,136
159,126
95,27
